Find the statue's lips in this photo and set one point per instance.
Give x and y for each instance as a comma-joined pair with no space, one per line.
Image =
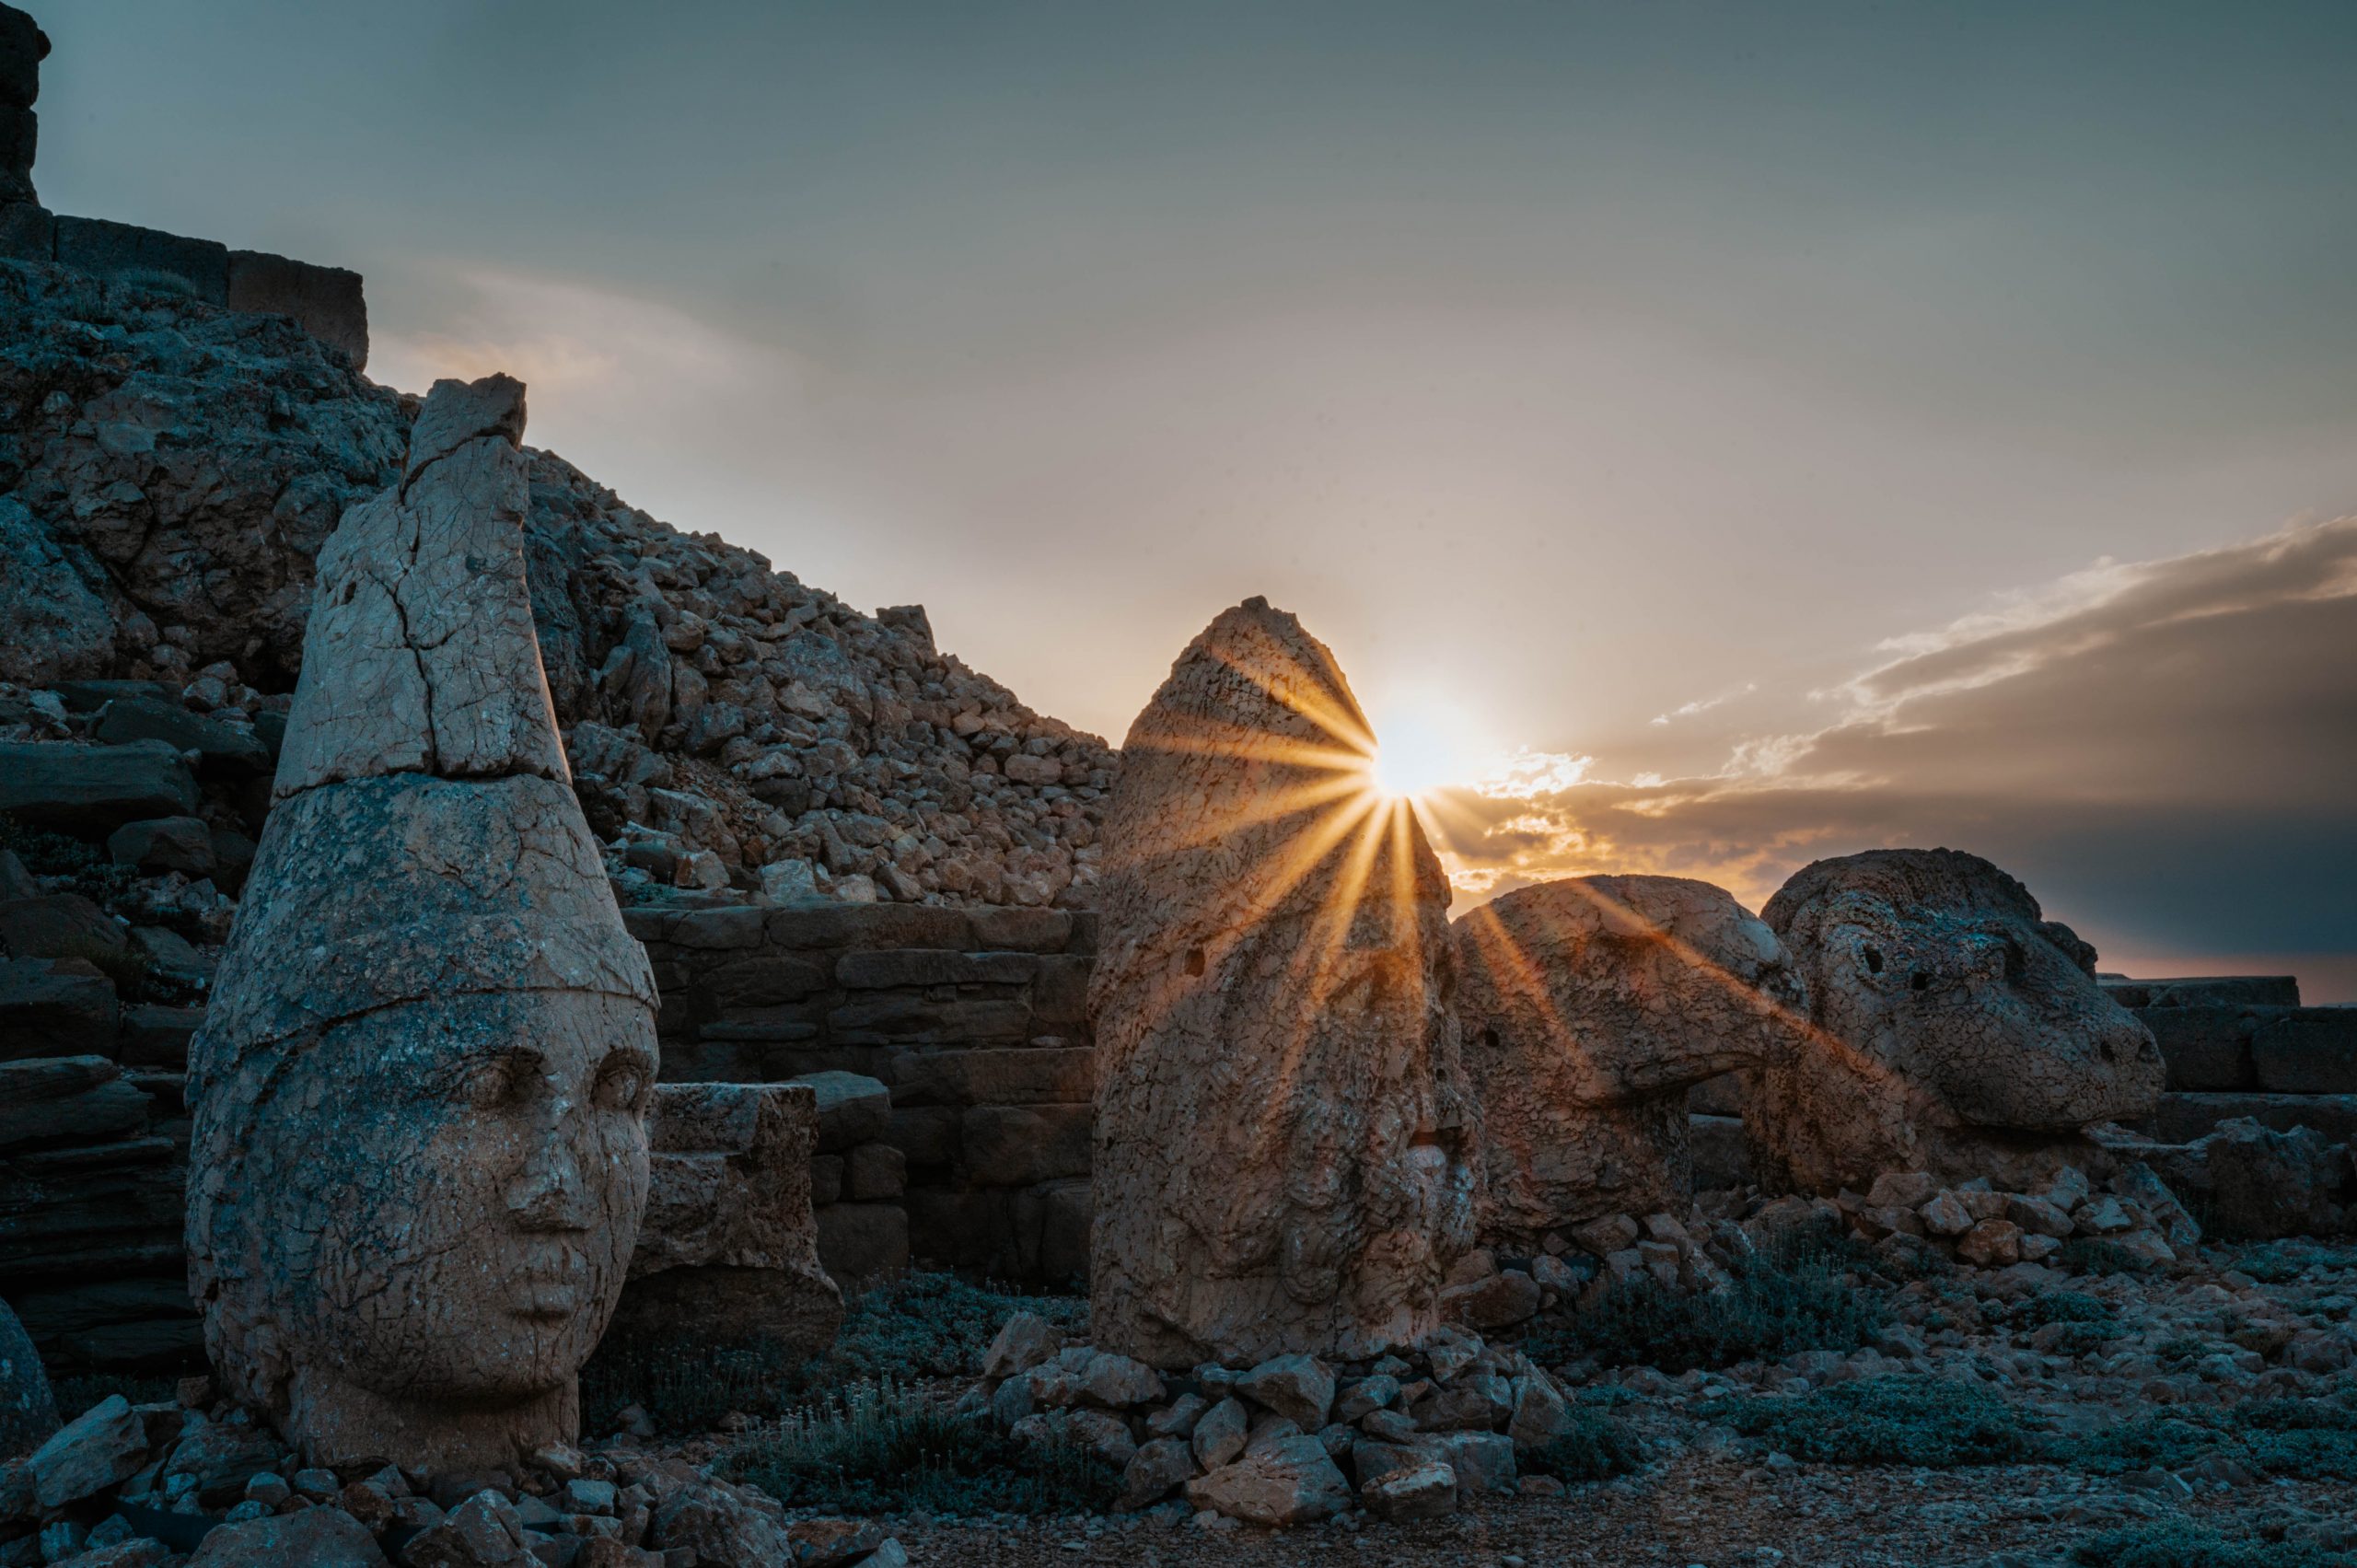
547,1277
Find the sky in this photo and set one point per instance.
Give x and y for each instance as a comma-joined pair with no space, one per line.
1711,435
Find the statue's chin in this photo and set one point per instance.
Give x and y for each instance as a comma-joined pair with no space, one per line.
337,1422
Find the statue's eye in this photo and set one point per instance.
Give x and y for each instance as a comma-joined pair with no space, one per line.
492,1084
621,1085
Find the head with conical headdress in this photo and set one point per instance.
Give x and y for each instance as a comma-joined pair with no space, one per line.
419,1160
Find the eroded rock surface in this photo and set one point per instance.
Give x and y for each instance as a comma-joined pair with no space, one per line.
1957,1030
728,1243
1590,1006
419,1157
1281,1127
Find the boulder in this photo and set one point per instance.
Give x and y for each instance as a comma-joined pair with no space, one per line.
1591,1007
2250,1181
54,1007
93,790
484,1531
67,1099
1291,1480
27,1408
309,1538
1300,1387
164,843
58,925
1281,1129
419,1156
1154,1470
1427,1489
222,749
721,1526
102,1447
1955,1031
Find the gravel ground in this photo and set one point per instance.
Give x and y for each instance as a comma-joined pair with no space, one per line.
1699,1509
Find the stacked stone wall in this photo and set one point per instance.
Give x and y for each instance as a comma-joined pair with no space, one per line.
327,302
972,1023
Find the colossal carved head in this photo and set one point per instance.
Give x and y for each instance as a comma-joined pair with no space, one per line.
1590,1005
419,1156
1937,983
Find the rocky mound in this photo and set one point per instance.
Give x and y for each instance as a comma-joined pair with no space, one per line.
169,469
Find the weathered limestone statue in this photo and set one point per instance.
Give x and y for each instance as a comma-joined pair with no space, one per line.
420,1155
1590,1006
1957,1031
1282,1128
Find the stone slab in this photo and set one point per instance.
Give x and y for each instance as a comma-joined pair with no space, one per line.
93,790
2182,1118
2310,1050
327,302
111,248
1007,1146
2228,990
2207,1046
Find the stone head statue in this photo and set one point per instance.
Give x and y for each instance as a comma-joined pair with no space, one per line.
1283,1133
1957,1030
419,1153
1590,1006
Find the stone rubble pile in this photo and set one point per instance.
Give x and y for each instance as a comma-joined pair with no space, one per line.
173,469
195,1481
1293,1440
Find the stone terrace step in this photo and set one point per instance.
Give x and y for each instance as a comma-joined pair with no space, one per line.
2182,1118
2242,989
2212,1048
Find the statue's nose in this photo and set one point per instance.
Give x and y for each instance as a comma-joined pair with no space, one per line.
546,1192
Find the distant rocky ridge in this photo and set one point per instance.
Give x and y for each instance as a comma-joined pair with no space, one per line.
169,469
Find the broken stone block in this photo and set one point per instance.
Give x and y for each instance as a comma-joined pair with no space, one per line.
1956,1030
1157,1469
729,1241
164,843
1219,1436
1281,1127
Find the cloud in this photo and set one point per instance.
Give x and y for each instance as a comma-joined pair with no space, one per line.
2166,751
1704,705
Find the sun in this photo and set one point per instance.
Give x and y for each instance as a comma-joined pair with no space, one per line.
1413,757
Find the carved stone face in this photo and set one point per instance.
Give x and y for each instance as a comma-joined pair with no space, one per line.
1989,1013
475,1194
1955,1026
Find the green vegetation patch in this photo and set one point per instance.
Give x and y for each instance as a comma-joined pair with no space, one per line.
876,1447
2313,1438
1597,1447
2176,1544
1794,1296
2277,1262
919,1327
1884,1421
